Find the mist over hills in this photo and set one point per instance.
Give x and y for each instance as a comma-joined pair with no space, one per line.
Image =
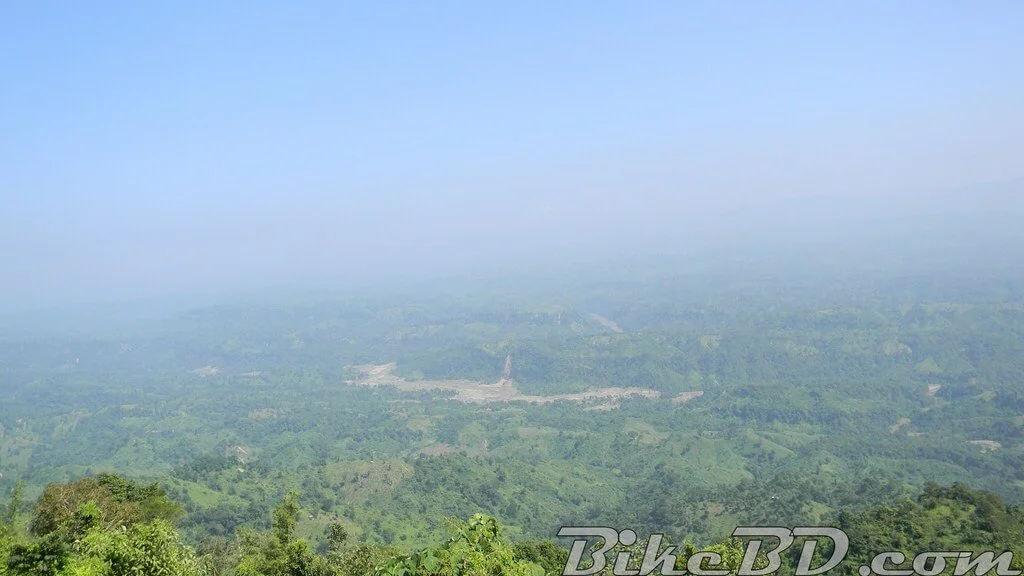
952,233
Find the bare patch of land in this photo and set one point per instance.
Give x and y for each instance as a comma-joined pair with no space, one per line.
899,424
684,397
606,323
502,391
986,445
206,371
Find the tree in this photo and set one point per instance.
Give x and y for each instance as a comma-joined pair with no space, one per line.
119,502
14,504
546,553
150,548
337,536
279,553
362,559
477,548
46,557
7,527
219,554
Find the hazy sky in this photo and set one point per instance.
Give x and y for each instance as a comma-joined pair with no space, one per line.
150,148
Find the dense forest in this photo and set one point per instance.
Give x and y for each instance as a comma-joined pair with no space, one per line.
109,525
249,439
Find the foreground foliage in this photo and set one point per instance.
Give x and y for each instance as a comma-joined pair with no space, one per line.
92,543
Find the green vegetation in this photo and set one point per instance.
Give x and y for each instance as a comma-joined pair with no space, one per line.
227,440
91,544
942,518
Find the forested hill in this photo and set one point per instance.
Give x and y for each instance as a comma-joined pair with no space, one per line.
685,404
108,525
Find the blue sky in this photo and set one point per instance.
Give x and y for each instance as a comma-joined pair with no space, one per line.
153,148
